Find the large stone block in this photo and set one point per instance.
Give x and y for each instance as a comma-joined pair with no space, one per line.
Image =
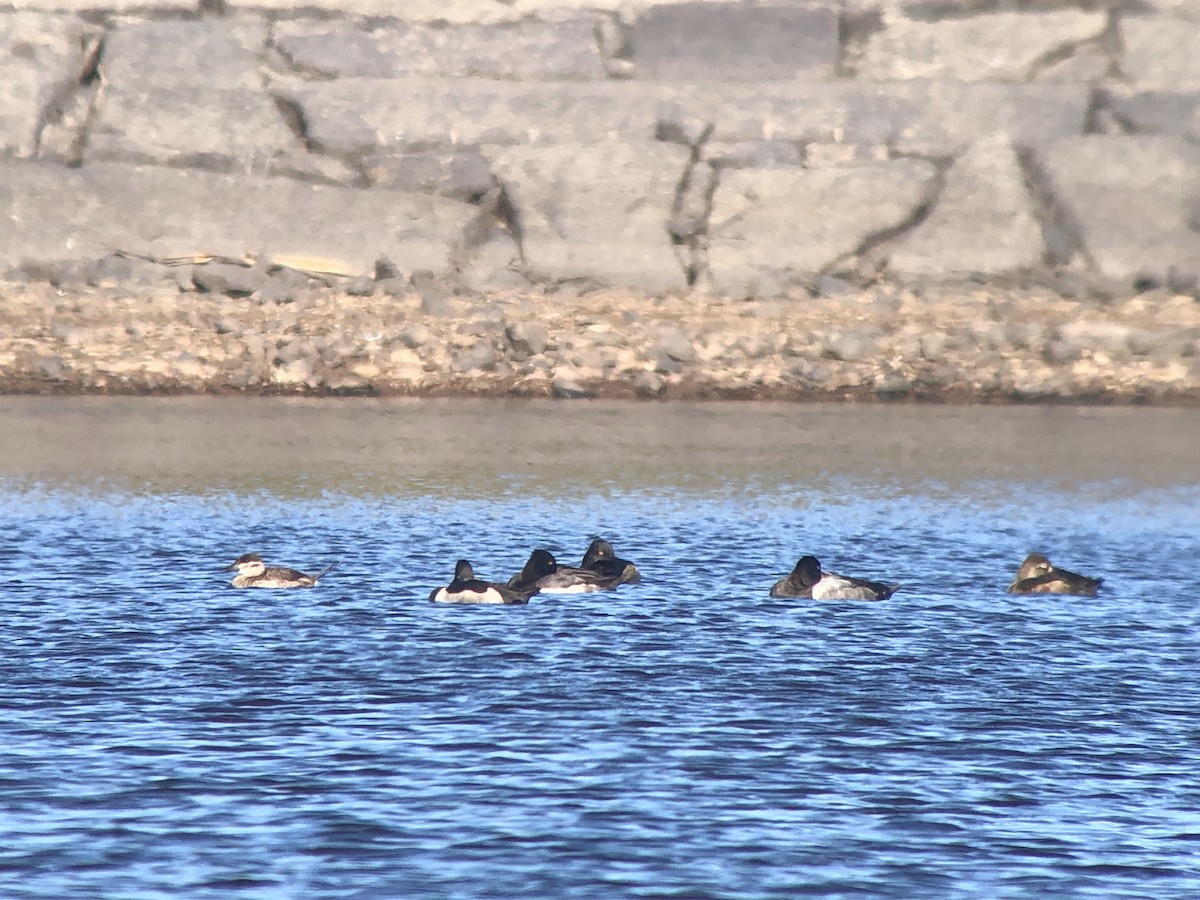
1134,200
1000,46
1156,112
983,222
40,59
771,223
453,12
51,213
929,117
701,41
597,211
564,49
1160,52
187,92
365,115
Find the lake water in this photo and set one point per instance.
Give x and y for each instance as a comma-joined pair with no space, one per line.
166,736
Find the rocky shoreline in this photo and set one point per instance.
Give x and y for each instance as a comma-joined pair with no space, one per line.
422,336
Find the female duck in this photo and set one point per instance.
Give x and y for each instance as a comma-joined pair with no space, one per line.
807,580
466,588
1038,575
602,558
542,573
253,572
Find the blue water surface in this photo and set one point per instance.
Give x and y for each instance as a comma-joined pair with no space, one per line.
166,735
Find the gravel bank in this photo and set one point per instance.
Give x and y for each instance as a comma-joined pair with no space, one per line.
964,344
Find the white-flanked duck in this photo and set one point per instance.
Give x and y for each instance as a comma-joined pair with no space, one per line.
1037,575
253,572
466,588
807,580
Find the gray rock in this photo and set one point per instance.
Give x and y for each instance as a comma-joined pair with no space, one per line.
1159,52
666,364
164,213
39,66
1156,112
696,41
1001,46
830,286
1125,194
282,286
892,384
228,279
931,117
802,220
1059,352
414,336
648,384
425,281
566,384
385,269
363,116
187,92
458,172
527,339
360,286
482,357
674,343
564,48
596,211
54,367
755,154
435,304
983,221
858,345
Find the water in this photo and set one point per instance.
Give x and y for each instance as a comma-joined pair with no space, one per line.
168,736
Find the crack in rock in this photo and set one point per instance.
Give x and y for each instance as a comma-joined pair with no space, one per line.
1061,233
855,30
84,88
691,209
1103,41
614,46
869,256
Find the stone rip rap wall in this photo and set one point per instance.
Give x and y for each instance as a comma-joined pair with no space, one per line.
701,149
744,148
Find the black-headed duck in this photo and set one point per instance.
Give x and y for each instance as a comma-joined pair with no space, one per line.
544,574
808,581
601,557
466,588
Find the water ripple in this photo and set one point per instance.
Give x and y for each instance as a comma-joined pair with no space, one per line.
169,736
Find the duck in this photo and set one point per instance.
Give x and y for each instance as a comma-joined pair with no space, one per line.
466,588
807,580
601,557
543,573
253,572
1037,575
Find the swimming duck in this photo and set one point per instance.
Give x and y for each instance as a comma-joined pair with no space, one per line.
542,573
1038,575
807,580
466,588
602,558
253,572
